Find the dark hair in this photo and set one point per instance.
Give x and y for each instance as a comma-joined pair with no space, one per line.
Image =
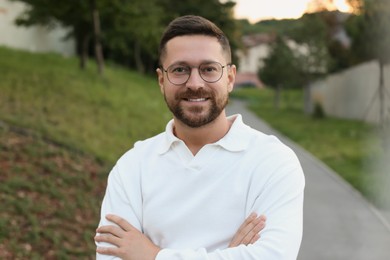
193,25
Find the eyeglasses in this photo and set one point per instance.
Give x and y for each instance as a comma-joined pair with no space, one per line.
210,72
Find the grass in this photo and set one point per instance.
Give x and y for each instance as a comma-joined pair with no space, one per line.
348,147
102,116
50,199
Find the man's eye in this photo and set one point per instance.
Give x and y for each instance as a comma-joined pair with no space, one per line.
209,69
179,70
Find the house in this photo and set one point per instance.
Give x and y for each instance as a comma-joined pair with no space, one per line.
256,49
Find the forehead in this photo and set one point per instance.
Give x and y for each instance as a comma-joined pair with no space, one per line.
193,49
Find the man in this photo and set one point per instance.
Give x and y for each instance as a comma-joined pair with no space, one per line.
185,193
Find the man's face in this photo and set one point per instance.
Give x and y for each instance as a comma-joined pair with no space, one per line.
196,102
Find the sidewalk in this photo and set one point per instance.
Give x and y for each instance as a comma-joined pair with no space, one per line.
339,224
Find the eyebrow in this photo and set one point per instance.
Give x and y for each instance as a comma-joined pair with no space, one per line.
186,63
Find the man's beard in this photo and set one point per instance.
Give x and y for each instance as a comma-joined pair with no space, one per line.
193,117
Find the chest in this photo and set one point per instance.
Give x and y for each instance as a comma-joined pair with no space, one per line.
193,203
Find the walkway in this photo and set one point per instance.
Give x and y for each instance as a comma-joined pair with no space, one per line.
339,224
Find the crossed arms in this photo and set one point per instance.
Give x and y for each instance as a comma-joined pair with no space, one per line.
131,244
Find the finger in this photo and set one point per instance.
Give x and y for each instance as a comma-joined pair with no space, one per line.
255,238
108,238
252,229
108,251
247,222
110,229
250,232
121,222
249,225
241,232
258,225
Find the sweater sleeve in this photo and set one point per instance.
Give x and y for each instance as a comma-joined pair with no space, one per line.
282,202
120,200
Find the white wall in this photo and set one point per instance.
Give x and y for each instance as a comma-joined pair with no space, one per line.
353,93
34,38
251,60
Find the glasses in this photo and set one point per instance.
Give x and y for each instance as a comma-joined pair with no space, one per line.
210,72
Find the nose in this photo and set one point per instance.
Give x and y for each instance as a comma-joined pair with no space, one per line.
195,81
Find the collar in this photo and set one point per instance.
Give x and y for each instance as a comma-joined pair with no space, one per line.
236,140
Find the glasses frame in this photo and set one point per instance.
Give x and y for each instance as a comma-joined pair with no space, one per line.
198,68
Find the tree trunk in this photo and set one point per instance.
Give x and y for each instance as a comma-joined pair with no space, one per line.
84,51
307,98
96,31
137,56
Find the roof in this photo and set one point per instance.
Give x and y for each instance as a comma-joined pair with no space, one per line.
247,79
252,40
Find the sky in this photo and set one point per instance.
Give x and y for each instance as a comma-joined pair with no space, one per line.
255,10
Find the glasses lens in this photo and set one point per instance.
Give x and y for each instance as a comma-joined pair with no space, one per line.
211,72
178,74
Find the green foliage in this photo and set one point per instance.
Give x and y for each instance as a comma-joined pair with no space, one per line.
311,35
370,31
346,146
280,67
281,27
102,116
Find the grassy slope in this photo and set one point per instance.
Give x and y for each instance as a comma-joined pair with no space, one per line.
50,198
103,116
50,194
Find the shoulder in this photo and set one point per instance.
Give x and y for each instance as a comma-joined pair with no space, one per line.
141,148
269,144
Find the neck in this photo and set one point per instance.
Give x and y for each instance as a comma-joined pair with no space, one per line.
196,138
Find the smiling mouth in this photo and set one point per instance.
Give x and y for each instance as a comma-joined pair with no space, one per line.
196,99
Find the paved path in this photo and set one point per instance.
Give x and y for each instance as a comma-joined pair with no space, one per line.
339,224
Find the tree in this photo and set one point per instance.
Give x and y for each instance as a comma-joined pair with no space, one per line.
280,68
131,32
76,15
314,58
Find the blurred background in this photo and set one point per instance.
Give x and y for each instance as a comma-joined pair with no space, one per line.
78,88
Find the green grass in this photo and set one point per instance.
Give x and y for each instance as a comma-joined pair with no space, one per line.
102,116
348,147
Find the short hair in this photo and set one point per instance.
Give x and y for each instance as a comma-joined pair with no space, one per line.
193,25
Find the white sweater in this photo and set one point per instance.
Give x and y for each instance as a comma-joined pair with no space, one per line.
191,206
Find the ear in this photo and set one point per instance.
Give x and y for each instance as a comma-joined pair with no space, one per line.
160,78
232,70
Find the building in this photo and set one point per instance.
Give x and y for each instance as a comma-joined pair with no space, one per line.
256,49
33,38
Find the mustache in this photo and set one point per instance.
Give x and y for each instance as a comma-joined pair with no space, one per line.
199,93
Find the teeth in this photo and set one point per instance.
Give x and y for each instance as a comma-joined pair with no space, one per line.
196,99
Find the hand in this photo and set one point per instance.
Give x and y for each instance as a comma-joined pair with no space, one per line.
248,233
130,243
